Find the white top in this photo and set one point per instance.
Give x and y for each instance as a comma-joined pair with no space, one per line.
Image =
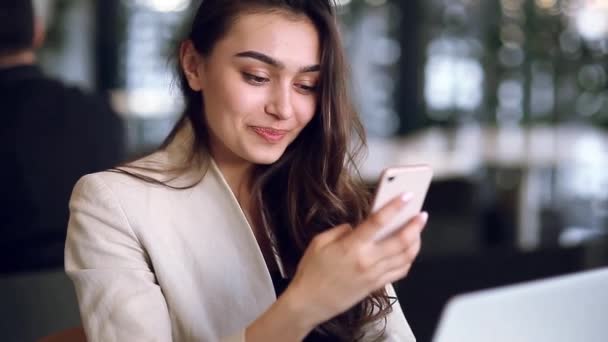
151,263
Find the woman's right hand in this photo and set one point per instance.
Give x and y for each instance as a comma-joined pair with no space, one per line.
342,266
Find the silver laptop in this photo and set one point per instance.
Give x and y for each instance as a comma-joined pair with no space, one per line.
561,309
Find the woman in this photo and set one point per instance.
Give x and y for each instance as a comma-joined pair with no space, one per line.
240,227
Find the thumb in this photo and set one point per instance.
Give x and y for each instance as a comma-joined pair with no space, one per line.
381,218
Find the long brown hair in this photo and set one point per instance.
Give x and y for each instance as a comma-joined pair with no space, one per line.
315,184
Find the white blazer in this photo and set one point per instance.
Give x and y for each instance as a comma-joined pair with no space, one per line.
150,263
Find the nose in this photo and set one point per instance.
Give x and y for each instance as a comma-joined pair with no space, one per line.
279,104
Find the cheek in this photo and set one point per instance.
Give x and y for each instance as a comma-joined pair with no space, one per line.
306,110
232,100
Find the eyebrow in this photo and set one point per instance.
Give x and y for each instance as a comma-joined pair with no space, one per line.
273,62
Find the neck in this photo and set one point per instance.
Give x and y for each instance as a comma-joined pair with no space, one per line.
238,174
27,57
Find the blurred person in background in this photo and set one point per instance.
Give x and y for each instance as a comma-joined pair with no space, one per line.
50,135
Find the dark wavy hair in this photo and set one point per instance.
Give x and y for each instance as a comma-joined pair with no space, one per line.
315,184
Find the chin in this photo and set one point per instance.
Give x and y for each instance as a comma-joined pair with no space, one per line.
266,160
265,157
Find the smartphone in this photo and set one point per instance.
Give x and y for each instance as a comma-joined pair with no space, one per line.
396,181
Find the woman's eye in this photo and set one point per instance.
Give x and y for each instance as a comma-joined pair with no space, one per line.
254,79
307,88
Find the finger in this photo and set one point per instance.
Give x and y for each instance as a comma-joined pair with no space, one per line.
379,219
403,239
398,267
419,220
397,261
392,276
331,235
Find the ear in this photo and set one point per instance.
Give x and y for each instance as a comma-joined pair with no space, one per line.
39,33
191,64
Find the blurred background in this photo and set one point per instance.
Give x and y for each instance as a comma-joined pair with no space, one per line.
506,99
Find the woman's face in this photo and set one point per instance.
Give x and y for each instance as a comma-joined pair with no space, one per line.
259,85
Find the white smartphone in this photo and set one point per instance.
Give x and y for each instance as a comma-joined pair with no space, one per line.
396,181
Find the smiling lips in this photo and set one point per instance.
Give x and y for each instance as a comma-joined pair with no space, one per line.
269,134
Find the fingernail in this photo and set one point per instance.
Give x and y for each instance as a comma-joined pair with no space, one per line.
424,217
406,197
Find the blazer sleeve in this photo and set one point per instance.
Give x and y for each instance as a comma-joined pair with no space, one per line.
118,294
396,327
